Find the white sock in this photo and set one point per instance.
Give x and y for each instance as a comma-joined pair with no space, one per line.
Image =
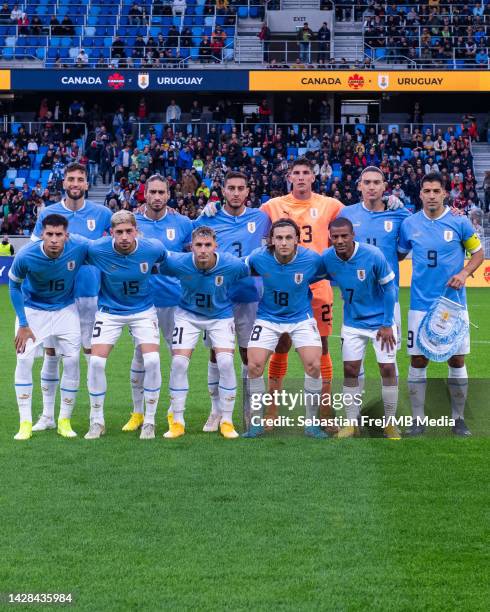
458,390
136,376
152,384
389,393
179,386
70,381
50,378
361,378
351,405
227,385
97,387
23,388
313,389
213,382
417,385
255,390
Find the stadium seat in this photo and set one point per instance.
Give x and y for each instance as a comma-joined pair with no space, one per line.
12,173
19,181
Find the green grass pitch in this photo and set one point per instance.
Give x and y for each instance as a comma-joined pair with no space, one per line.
283,523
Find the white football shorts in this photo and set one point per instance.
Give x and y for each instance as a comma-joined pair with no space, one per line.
87,307
188,327
244,317
143,327
415,319
59,328
355,341
266,334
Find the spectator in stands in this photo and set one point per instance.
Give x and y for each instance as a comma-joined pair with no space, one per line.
265,36
205,50
305,36
323,37
36,26
481,57
172,38
66,27
178,7
139,48
47,160
5,14
82,59
136,15
54,27
118,48
173,112
23,24
15,15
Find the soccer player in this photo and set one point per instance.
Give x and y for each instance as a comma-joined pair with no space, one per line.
369,294
376,225
287,271
125,299
86,219
312,213
239,230
174,232
438,241
45,308
206,278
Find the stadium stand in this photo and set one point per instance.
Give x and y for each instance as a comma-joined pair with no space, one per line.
32,160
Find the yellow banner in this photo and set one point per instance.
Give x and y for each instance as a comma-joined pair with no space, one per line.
481,277
4,79
369,80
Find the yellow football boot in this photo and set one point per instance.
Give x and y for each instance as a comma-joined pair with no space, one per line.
65,430
392,432
349,431
176,430
135,422
228,431
25,431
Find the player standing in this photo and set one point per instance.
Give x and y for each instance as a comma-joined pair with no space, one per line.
438,241
206,277
85,218
374,224
125,298
239,230
369,294
287,271
45,309
173,230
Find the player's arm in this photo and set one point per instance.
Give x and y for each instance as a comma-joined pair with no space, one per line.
17,298
386,276
404,244
473,246
38,229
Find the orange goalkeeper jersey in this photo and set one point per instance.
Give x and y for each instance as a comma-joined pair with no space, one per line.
313,216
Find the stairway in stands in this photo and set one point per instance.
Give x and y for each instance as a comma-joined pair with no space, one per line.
98,193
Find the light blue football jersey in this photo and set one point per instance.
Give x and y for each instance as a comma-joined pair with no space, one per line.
240,236
51,282
361,279
287,295
174,231
205,292
91,221
379,228
125,279
438,252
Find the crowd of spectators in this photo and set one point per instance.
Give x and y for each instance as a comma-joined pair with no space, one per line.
429,32
195,161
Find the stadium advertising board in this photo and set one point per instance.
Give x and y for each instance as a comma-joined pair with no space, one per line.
369,80
481,278
129,80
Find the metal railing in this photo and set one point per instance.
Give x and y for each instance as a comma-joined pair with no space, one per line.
355,11
9,125
229,127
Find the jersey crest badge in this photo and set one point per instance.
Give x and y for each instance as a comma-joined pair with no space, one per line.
144,267
91,224
314,213
251,227
218,281
71,265
448,235
170,233
361,275
298,278
388,226
143,80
